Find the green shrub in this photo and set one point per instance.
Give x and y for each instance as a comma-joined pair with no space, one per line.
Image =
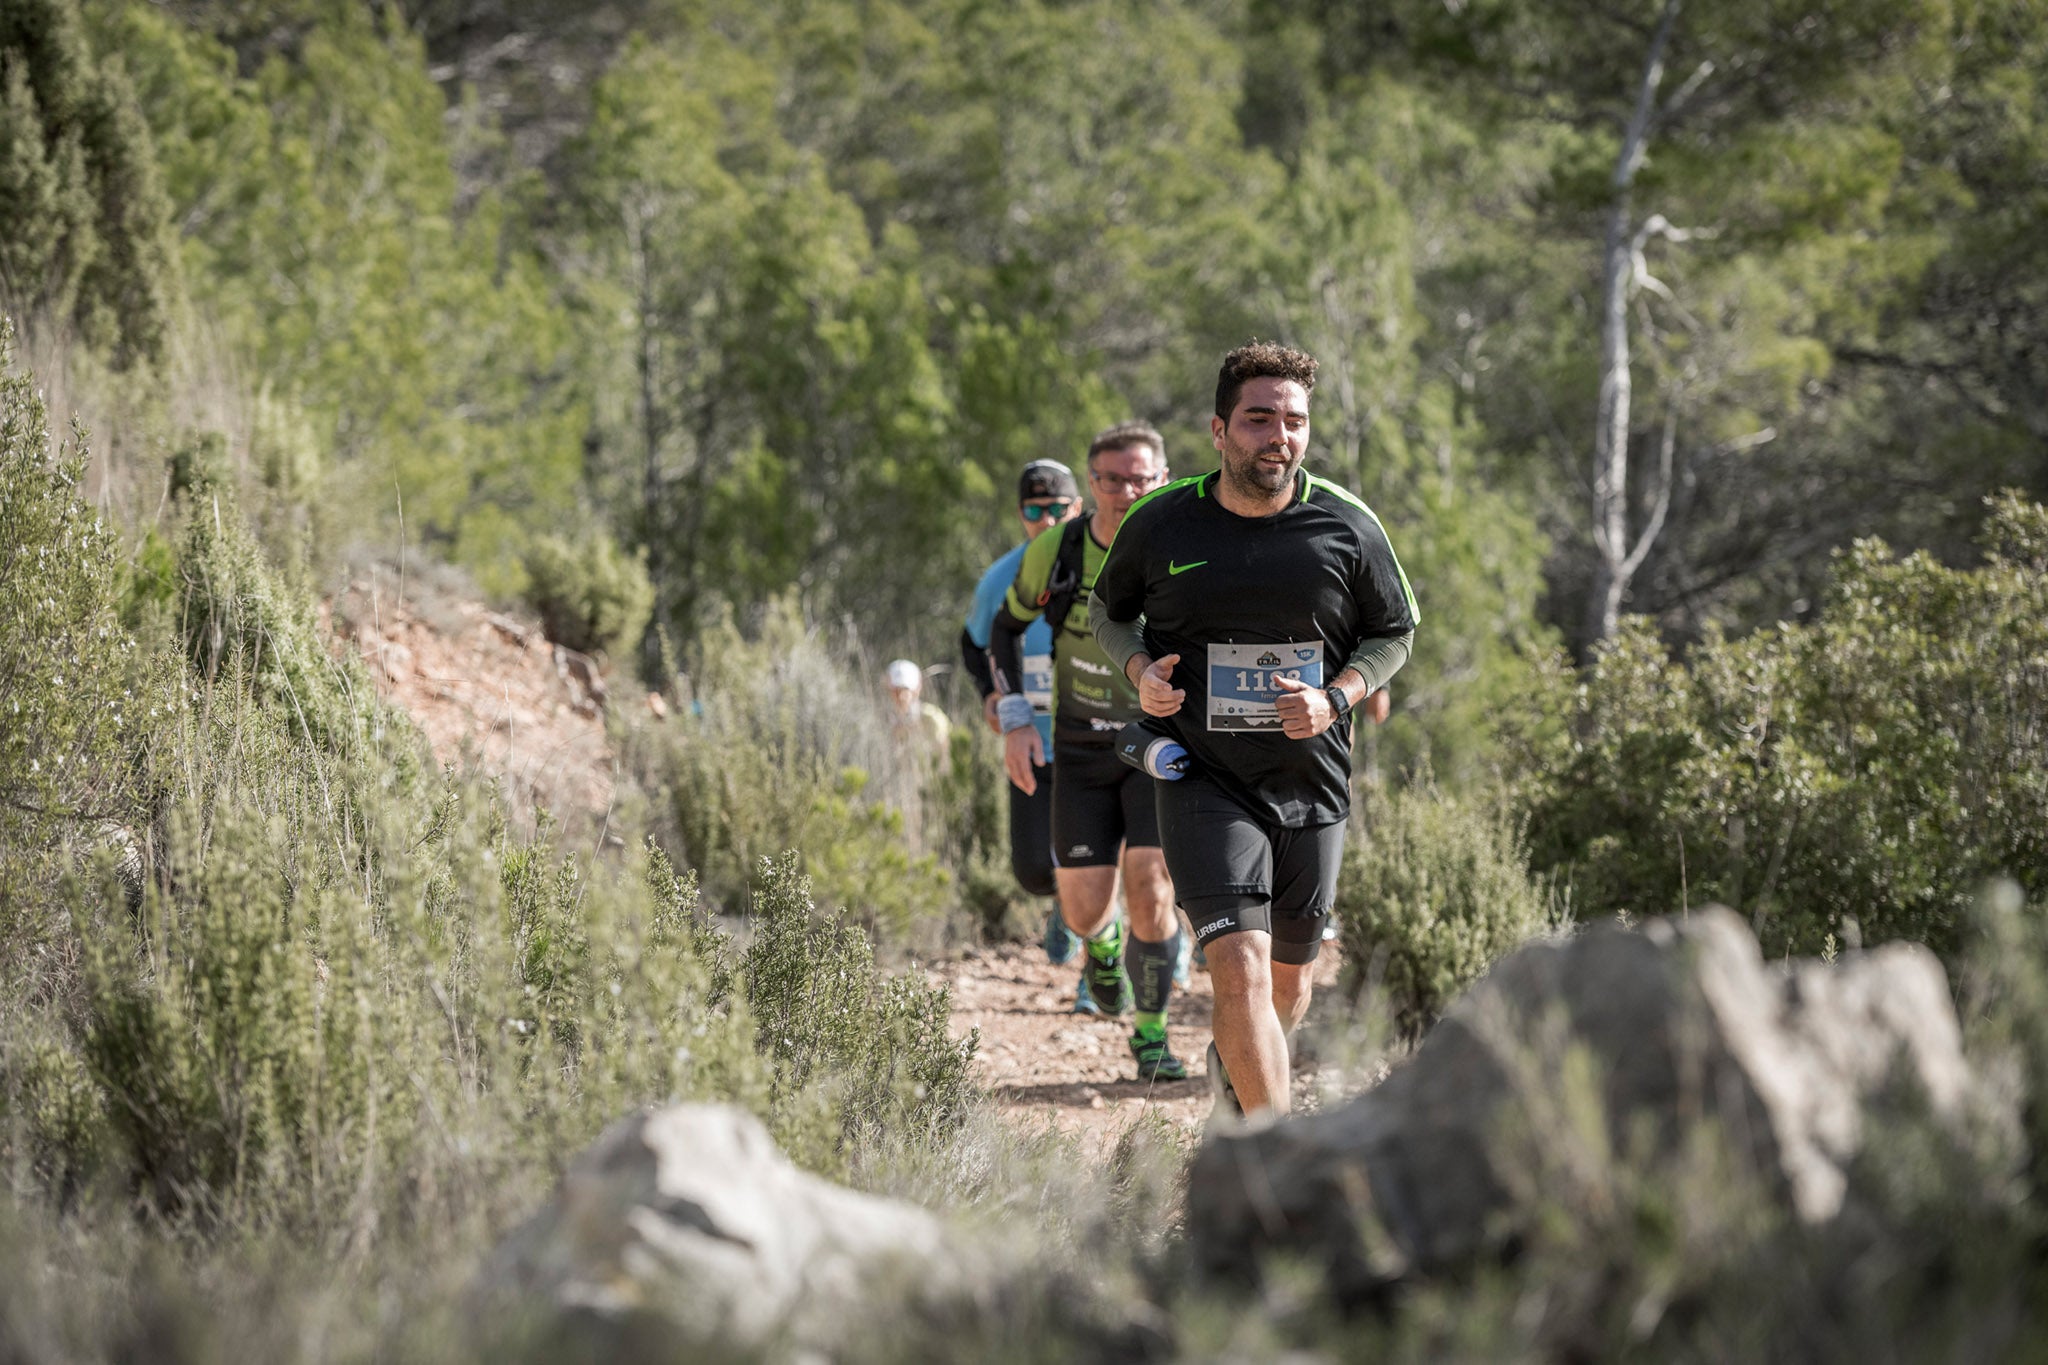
823,1010
779,746
1435,889
76,695
1862,775
591,595
345,994
240,618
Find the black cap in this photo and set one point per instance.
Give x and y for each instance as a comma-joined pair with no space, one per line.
1047,479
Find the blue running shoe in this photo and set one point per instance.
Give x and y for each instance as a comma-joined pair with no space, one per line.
1060,942
1084,1003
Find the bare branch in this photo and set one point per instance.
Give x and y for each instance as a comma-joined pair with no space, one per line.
1661,504
1682,96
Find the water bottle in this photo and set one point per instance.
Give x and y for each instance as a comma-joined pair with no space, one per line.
1152,753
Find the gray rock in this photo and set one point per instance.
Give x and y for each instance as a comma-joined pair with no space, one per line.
686,1227
1688,1033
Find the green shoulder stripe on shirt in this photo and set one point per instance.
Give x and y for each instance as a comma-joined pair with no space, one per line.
1168,488
1316,481
1163,488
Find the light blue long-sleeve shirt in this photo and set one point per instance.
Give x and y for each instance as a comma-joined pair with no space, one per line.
988,599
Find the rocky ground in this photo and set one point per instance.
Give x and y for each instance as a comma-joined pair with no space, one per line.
490,693
1046,1065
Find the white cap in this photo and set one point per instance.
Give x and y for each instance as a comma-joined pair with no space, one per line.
903,673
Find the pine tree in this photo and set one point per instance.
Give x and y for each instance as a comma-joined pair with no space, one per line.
85,235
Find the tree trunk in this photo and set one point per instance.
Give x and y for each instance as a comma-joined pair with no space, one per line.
1614,563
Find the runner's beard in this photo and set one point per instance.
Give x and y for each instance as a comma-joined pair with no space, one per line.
1245,471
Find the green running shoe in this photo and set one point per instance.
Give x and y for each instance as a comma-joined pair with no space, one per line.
1156,1061
1109,985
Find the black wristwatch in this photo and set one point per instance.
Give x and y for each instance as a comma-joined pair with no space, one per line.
1340,702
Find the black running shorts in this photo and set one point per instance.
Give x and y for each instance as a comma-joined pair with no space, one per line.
1100,805
1232,871
1031,834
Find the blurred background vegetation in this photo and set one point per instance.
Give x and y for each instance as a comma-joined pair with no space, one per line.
1696,359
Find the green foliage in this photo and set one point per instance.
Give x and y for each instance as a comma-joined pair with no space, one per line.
778,746
1865,773
240,620
821,1009
415,328
70,678
591,595
333,991
969,803
1435,889
85,233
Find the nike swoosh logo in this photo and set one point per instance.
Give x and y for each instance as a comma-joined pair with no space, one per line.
1173,568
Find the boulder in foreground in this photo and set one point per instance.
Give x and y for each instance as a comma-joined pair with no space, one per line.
1662,1036
687,1228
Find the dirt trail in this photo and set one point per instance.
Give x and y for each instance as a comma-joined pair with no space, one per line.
1045,1065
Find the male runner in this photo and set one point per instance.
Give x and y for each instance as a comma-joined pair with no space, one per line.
1271,605
1103,814
1046,496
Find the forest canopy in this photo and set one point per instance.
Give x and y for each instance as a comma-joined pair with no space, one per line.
1639,311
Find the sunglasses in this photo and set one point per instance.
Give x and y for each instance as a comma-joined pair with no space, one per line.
1035,511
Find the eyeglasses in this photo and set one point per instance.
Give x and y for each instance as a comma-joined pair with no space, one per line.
1135,483
1053,511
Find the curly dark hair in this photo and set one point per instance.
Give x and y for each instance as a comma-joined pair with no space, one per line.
1261,360
1123,436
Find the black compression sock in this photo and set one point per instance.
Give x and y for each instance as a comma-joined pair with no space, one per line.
1151,967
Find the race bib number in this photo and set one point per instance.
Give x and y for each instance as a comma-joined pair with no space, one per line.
1243,681
1038,682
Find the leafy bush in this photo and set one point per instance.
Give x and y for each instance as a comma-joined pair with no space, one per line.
1864,774
240,619
821,1009
75,693
1435,889
591,595
779,746
346,993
